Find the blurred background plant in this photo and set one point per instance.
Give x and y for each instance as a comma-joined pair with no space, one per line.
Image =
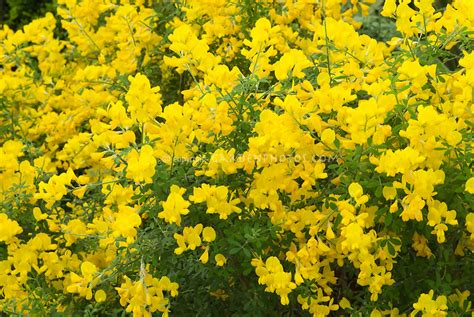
16,13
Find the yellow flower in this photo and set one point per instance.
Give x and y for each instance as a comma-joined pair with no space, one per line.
127,220
356,191
38,214
328,136
118,115
220,259
209,234
146,295
429,306
420,245
294,61
470,224
470,185
83,284
8,228
272,275
344,303
389,193
141,165
100,296
389,8
204,258
217,200
400,161
174,206
144,102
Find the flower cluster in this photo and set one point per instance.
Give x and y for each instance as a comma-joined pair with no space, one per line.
147,146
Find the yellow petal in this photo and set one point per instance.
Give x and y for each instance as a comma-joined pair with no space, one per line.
100,296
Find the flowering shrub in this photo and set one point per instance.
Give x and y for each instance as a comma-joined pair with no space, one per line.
247,158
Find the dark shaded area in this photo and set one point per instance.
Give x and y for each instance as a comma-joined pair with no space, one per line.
16,13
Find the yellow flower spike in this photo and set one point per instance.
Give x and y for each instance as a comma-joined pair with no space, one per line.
127,220
217,200
429,306
272,275
141,164
174,206
144,102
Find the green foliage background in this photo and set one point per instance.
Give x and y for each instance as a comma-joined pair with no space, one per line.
16,13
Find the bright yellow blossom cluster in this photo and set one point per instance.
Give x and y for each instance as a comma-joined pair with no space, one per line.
272,275
263,157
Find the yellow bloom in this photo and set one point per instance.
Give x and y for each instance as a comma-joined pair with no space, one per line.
100,296
294,61
470,224
220,259
8,228
146,295
470,185
389,8
204,258
126,222
420,245
344,303
272,275
389,193
217,200
429,306
208,234
144,102
141,165
118,115
356,191
38,214
174,206
328,136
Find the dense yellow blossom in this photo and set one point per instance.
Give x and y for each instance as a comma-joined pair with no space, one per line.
261,154
175,206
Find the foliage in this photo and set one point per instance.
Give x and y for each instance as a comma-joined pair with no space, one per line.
247,158
17,13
